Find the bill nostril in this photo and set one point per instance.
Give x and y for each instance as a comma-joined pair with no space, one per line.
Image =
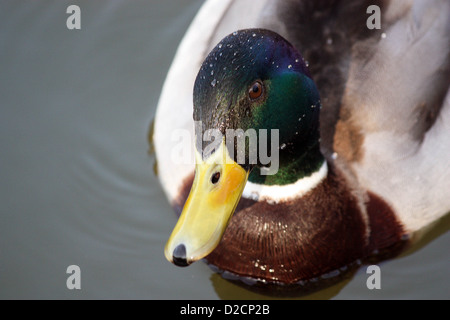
179,256
215,177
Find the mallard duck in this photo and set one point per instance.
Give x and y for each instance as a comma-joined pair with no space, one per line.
362,118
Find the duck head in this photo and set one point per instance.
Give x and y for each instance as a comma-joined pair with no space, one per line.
252,96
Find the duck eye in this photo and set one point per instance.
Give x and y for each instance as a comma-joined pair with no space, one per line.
215,177
256,90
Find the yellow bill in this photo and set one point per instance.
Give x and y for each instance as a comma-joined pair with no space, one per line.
216,190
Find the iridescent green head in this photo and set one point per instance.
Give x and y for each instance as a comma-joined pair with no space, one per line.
255,79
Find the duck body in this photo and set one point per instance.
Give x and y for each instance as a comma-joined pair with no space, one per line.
348,191
306,243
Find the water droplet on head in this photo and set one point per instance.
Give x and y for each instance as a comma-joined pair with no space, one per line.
220,45
307,63
283,146
213,83
210,65
212,72
290,66
383,35
254,35
234,33
296,60
329,41
251,48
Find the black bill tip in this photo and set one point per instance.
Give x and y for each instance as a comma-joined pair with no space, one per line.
179,256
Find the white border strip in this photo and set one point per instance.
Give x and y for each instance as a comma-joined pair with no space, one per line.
277,193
